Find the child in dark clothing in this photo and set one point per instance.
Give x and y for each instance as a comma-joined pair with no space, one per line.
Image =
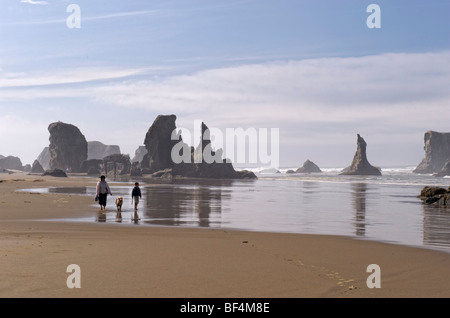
136,195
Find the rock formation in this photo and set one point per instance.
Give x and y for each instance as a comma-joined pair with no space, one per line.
117,164
37,167
435,196
445,170
309,167
360,165
68,147
139,154
55,173
202,162
91,166
98,150
159,144
44,158
11,163
437,152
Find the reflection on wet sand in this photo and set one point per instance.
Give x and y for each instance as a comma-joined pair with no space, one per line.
101,217
359,203
436,225
198,203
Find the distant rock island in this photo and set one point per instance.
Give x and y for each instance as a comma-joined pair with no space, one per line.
360,165
158,160
308,167
11,163
98,150
437,152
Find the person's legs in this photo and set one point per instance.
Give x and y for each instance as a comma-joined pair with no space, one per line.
102,200
136,202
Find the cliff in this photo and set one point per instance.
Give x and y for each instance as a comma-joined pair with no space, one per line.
437,152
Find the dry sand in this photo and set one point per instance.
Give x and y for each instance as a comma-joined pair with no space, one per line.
136,261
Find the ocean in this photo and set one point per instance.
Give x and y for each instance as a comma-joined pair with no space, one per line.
380,208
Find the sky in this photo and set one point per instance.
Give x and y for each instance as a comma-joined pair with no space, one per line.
312,69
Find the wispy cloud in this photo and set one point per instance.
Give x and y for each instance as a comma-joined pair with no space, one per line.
390,88
34,2
69,76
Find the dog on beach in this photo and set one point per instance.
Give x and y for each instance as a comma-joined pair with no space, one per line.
119,202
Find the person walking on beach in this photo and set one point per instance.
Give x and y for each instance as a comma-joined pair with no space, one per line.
136,195
102,192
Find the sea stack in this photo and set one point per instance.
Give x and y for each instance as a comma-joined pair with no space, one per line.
68,147
360,165
309,167
158,142
445,170
437,152
36,167
195,163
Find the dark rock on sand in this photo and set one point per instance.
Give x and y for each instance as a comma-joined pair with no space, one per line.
437,152
445,170
37,167
290,171
309,167
55,173
435,196
360,165
11,163
201,162
98,150
68,147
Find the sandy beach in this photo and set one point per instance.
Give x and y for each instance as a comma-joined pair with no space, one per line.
134,261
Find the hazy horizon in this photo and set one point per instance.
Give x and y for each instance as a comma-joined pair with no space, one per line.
312,69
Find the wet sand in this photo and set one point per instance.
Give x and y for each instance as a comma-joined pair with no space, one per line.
133,261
